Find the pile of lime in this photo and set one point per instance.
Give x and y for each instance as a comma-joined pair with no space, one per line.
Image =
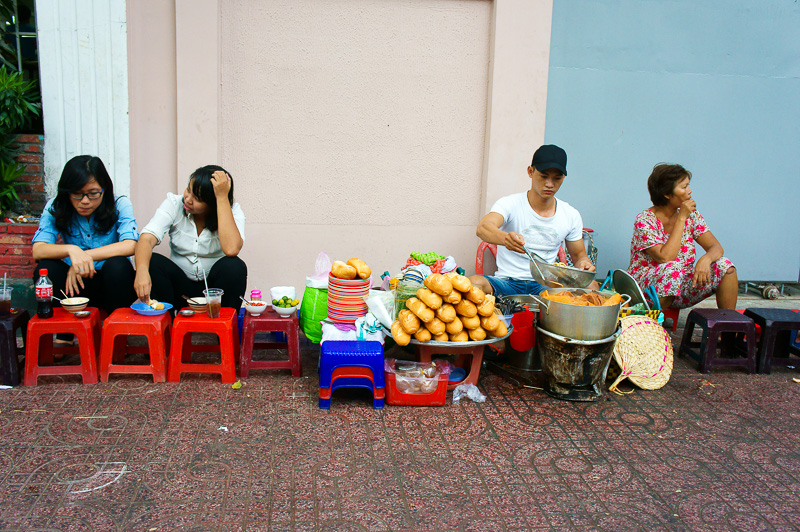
285,302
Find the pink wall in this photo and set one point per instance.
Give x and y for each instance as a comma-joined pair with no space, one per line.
366,128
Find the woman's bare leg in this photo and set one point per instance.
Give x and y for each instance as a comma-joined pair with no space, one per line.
666,301
728,290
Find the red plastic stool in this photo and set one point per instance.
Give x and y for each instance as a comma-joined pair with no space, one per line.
270,320
425,351
672,314
40,345
113,348
225,327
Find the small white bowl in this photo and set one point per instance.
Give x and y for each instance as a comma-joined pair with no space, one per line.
255,310
285,312
197,304
74,304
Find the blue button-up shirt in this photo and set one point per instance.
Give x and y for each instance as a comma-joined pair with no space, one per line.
82,232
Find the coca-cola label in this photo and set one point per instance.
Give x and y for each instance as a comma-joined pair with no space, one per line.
44,291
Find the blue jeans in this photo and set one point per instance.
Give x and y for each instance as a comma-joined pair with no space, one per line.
506,286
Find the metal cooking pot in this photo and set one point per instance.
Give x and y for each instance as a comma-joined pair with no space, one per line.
578,322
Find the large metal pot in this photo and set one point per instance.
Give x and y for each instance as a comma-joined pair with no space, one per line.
578,322
574,369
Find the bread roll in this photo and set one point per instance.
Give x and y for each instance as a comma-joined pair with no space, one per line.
361,267
446,313
490,323
454,327
487,307
408,321
477,334
441,337
433,301
439,284
466,308
399,335
435,326
501,330
423,335
459,282
460,337
453,297
475,294
343,271
472,322
418,307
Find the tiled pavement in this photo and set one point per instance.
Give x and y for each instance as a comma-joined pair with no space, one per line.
706,452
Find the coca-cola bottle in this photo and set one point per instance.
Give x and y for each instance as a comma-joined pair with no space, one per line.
44,295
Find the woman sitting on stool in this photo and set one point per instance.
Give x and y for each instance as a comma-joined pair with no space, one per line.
98,231
206,233
663,251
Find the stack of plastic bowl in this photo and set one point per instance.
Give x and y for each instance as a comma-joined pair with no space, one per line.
347,298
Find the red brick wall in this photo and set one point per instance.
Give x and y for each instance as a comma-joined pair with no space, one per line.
31,184
15,250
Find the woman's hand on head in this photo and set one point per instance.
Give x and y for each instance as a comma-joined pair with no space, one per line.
702,272
221,182
82,263
142,284
74,282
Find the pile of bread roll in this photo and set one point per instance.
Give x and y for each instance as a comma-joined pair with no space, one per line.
352,269
448,309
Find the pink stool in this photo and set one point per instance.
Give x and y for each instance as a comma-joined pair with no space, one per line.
39,345
269,320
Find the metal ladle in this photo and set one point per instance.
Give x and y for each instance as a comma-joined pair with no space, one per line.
534,258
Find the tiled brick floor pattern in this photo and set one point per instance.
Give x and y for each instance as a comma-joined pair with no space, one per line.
707,452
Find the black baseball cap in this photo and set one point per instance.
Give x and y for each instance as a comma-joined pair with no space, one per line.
550,156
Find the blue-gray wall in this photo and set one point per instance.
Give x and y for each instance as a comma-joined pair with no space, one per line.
710,84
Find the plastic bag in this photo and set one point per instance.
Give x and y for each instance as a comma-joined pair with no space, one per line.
313,309
381,304
418,378
319,279
337,332
368,328
470,391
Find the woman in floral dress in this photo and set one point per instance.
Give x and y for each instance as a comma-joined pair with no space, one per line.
663,246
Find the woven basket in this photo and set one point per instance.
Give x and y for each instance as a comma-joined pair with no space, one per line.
643,352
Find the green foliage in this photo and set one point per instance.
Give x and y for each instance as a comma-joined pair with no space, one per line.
9,173
18,101
18,105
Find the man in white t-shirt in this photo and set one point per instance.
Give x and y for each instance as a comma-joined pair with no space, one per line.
537,220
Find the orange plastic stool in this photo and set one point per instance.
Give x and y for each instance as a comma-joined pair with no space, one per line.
113,348
39,345
269,320
225,327
425,351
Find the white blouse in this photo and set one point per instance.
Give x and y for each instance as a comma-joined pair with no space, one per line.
189,250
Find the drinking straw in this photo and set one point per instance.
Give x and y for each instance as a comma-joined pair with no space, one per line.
4,281
204,277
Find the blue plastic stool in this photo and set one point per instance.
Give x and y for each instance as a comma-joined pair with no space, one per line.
335,354
352,382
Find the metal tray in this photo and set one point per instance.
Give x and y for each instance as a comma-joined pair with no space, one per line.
471,343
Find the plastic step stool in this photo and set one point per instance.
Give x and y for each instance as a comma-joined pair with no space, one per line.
9,363
40,348
777,326
225,327
334,354
714,322
113,347
270,321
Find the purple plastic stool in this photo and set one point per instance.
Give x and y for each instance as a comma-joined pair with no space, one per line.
714,322
777,325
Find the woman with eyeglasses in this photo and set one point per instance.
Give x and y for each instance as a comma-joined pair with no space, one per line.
98,233
206,233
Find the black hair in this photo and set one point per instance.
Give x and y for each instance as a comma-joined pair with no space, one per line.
201,187
662,181
77,172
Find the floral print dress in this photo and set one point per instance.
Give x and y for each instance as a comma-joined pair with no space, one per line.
672,278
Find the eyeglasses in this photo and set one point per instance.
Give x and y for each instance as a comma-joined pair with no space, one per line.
78,196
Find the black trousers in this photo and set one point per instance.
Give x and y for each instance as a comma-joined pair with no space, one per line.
170,282
111,287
